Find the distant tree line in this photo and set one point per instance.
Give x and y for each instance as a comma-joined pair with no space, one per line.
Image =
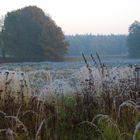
28,34
103,44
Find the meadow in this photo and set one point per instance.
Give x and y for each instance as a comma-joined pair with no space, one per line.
94,102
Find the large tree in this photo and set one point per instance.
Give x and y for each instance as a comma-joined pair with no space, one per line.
133,40
29,34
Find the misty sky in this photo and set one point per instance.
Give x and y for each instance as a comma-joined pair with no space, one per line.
84,16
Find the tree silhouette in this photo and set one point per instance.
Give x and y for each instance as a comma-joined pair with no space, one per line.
133,40
30,35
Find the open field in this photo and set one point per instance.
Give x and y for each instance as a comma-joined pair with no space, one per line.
89,103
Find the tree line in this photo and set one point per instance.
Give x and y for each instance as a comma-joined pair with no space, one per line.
28,34
128,45
103,44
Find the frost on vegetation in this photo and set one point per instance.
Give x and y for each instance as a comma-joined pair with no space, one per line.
111,77
56,89
14,83
127,103
99,117
43,82
38,79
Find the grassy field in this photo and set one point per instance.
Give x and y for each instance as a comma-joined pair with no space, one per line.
76,117
111,114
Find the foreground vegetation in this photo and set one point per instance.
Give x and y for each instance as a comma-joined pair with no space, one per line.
79,116
111,114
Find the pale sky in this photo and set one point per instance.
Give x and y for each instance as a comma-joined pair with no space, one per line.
84,16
